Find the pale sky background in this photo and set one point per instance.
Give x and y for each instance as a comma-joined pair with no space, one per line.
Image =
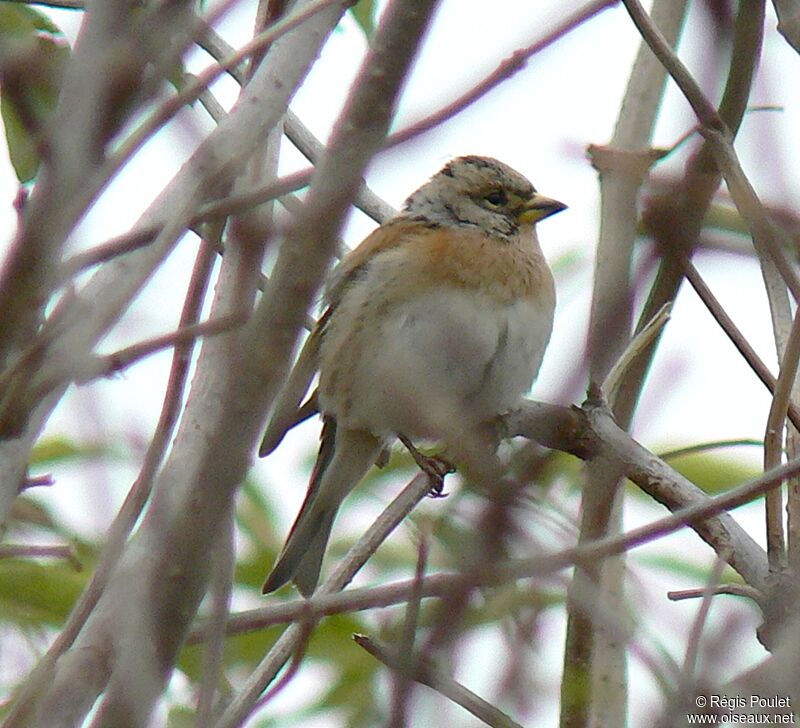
540,122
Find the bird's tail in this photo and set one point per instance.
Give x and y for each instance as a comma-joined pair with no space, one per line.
344,458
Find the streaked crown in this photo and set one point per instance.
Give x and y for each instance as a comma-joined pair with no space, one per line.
480,192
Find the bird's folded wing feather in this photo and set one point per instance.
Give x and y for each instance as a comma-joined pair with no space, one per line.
392,234
288,411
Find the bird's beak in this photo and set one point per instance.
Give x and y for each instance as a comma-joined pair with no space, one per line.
539,207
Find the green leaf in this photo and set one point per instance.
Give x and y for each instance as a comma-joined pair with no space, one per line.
569,263
727,218
364,13
685,568
23,18
34,594
21,145
712,472
352,685
180,716
34,55
61,450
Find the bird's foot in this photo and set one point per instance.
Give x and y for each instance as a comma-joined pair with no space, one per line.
435,467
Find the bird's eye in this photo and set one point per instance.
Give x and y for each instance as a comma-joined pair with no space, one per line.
496,198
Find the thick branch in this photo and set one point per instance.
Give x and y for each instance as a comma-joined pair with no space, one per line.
163,571
594,689
595,432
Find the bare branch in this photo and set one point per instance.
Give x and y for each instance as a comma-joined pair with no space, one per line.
144,235
100,89
773,447
693,641
401,689
594,663
205,78
32,551
142,614
662,49
505,70
715,131
104,366
734,334
736,590
208,174
37,481
63,4
638,345
425,674
788,12
221,586
286,645
299,134
131,509
595,428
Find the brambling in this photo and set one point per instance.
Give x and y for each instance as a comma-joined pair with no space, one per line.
436,323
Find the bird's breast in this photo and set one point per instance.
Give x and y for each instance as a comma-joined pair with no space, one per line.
446,353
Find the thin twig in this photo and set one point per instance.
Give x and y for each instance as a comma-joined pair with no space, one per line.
302,264
131,508
61,4
201,82
401,693
105,366
307,628
209,458
733,332
286,645
37,481
773,446
736,590
667,486
325,605
641,467
220,591
675,218
33,551
593,687
327,601
663,50
427,675
717,134
295,181
298,133
692,515
231,205
432,586
640,343
696,632
512,65
32,379
769,241
705,446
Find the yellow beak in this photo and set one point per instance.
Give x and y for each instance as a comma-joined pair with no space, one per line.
539,207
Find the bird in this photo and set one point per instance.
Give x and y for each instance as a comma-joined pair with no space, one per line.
437,322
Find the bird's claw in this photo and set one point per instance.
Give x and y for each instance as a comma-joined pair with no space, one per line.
436,468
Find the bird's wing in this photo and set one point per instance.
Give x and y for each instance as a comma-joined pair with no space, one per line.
392,234
288,411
